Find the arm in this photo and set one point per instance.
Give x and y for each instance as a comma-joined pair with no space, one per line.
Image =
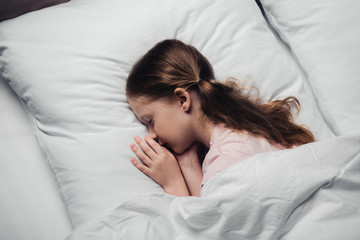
160,165
191,169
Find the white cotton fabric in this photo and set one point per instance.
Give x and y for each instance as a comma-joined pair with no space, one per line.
68,65
311,192
324,36
31,206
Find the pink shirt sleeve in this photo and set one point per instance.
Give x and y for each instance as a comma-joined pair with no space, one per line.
217,166
228,148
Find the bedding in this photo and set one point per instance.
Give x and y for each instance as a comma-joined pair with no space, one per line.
70,76
323,37
30,203
68,64
311,192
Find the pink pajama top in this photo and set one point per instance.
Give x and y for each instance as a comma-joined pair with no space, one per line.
228,147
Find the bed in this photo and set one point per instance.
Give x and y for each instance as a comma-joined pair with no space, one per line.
66,127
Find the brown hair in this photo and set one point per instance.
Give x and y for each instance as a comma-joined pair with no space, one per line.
171,64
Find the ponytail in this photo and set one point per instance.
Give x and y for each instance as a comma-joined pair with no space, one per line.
172,64
225,103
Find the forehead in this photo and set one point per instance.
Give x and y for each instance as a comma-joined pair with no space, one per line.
143,105
138,100
145,100
139,104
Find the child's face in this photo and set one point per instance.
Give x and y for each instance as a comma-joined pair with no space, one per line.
166,121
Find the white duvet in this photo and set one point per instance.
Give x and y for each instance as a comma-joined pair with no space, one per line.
312,192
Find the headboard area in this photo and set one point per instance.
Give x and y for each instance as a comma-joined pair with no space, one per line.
14,8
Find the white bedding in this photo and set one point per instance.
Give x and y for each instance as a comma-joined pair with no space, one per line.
68,65
325,38
71,75
31,206
312,192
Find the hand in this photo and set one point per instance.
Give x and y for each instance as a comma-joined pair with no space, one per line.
191,169
160,165
188,157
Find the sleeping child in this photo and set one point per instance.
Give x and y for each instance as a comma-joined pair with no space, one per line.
172,90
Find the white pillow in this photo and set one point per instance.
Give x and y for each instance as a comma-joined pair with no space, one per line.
69,64
324,35
30,203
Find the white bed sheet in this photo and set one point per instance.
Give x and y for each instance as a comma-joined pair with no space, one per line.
31,207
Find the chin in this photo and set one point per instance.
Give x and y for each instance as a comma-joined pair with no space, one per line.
179,150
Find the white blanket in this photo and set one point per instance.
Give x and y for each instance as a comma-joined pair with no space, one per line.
312,192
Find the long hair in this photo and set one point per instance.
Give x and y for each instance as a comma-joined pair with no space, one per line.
171,64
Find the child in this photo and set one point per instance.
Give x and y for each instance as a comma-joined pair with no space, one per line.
172,90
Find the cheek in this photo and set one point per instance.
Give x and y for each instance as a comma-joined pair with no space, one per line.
185,138
175,130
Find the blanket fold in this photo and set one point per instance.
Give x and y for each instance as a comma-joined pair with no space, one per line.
311,192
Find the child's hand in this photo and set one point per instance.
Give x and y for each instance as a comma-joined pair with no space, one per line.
191,169
186,158
160,165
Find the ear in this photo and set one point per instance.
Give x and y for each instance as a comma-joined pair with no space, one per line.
183,98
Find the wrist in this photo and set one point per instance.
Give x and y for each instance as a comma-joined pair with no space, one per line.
177,187
190,163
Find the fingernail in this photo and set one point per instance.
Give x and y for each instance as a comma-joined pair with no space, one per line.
132,145
137,138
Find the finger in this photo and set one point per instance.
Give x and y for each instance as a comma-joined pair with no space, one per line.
140,166
153,144
167,151
145,147
141,155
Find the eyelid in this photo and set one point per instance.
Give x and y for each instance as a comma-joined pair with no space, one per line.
147,120
144,118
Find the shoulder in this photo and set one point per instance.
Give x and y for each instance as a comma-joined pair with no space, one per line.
238,144
222,135
227,144
228,147
228,141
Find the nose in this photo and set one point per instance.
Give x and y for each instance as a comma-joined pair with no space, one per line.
152,134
